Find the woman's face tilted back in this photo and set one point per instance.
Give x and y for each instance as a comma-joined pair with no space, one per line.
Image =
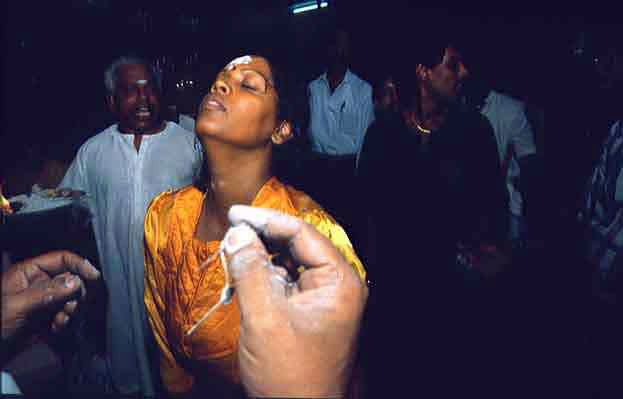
241,108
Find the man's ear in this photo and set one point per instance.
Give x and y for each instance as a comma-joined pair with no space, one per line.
112,105
282,133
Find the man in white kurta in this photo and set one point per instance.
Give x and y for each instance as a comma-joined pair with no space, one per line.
122,169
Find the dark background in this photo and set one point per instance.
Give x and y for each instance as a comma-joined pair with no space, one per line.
55,52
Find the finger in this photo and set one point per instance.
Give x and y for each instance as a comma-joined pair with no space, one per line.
249,266
51,293
308,246
57,262
60,320
70,307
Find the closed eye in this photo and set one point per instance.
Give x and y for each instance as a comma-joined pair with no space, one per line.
248,87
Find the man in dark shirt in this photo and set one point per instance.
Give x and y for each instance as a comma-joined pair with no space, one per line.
431,182
438,163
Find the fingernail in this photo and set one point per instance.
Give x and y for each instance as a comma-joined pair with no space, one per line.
70,282
238,237
257,217
89,264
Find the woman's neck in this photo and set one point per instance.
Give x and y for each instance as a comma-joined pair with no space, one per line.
235,178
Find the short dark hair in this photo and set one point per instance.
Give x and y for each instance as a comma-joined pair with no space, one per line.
429,53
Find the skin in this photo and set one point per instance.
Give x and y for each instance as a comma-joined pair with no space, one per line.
136,102
49,285
299,339
238,140
338,54
440,87
386,96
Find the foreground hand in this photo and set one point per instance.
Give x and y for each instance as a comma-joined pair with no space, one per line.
52,282
296,339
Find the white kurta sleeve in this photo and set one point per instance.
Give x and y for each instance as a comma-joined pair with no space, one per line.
198,161
367,116
522,136
75,178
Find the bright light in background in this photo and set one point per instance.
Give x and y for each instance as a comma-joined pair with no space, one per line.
307,6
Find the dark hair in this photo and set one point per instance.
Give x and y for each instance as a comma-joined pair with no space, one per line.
428,52
291,107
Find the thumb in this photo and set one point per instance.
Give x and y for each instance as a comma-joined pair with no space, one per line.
257,282
49,294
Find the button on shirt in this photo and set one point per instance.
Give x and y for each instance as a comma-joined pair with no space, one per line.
339,120
514,137
121,182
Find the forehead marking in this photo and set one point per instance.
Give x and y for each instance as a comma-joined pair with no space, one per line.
238,61
141,82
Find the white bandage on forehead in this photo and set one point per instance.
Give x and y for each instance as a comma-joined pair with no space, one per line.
246,59
141,82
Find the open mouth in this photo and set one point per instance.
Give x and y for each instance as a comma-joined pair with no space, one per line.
211,102
143,112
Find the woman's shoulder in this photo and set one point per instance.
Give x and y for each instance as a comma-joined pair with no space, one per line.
171,205
306,208
300,202
171,200
297,203
288,199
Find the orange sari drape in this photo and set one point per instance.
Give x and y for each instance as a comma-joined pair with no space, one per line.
177,293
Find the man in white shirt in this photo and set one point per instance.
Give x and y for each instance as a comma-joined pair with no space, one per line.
340,103
516,149
341,109
122,169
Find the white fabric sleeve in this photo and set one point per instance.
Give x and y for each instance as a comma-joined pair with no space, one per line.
75,177
198,161
522,136
9,387
367,116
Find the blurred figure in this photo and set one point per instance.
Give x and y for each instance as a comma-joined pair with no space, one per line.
341,109
601,216
340,103
430,181
41,291
122,169
516,150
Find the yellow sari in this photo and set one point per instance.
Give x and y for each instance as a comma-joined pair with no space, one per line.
177,293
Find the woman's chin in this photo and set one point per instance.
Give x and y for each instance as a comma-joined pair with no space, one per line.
205,128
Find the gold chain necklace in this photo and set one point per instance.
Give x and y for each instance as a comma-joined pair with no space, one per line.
421,129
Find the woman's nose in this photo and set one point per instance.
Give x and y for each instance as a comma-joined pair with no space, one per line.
220,87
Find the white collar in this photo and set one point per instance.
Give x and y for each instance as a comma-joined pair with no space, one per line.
348,76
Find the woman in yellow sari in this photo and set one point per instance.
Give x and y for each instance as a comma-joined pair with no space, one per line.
245,114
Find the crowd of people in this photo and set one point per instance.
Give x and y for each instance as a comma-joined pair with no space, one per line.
401,225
